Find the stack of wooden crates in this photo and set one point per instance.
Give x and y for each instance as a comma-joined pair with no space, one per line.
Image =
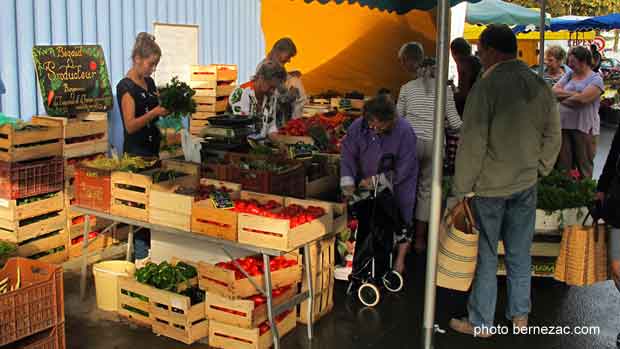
84,137
213,85
32,210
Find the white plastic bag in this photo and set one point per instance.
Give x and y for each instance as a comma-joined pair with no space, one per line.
191,146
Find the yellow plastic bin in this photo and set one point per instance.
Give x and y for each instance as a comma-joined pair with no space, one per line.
106,282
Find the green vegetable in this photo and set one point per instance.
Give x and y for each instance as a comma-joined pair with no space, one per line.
177,97
560,191
165,276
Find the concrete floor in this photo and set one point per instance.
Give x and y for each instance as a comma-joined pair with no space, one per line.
396,322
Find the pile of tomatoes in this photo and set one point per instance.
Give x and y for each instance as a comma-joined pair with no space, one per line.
91,235
254,265
260,299
295,214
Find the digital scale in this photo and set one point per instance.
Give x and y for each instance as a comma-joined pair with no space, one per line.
227,132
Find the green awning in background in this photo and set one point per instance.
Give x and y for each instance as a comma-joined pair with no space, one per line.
500,12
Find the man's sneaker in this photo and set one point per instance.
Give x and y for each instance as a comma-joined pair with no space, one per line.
520,322
464,326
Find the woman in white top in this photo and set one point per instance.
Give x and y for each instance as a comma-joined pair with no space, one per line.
416,103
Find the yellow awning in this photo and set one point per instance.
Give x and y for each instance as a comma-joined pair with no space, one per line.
472,33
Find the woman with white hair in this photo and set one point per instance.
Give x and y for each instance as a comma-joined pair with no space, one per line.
416,103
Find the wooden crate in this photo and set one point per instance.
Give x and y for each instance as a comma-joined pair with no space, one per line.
205,115
98,243
169,209
130,302
211,104
323,265
77,133
231,337
213,72
34,248
173,316
214,279
242,312
21,145
212,88
181,166
130,195
221,223
277,233
70,163
197,125
15,225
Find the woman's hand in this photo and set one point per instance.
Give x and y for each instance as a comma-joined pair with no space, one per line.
160,111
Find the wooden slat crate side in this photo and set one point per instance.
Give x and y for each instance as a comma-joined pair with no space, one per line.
126,286
82,128
43,244
277,234
204,115
11,211
170,219
235,187
99,146
223,282
11,231
99,243
123,210
31,153
242,312
51,131
215,72
212,88
189,168
187,335
55,258
231,337
214,222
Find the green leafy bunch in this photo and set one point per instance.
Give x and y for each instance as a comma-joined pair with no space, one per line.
562,190
177,97
165,276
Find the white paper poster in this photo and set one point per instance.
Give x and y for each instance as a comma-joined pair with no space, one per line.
179,50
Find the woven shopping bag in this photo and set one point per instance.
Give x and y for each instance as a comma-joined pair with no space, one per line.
458,248
583,255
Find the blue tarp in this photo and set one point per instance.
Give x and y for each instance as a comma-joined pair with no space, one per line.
607,22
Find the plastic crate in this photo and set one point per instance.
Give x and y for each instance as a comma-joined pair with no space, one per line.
51,339
37,305
93,188
288,183
23,179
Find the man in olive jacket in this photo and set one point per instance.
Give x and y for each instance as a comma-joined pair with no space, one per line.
511,135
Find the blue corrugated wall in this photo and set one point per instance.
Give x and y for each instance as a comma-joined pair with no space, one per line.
230,32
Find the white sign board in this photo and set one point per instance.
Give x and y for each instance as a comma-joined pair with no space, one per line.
179,50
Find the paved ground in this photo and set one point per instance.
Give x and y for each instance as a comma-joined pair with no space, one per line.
396,323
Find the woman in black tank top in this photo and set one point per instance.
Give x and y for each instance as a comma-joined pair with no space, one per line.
140,110
137,98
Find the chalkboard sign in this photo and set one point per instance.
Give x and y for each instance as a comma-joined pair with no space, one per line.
72,79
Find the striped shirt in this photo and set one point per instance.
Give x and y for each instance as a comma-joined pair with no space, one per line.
418,107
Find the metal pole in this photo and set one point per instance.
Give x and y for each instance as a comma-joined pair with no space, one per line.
83,276
443,44
541,56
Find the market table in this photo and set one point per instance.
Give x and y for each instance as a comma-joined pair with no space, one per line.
267,253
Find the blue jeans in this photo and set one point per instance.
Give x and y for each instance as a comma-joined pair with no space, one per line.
511,219
141,244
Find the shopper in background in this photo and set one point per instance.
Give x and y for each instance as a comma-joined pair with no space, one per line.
257,98
291,94
554,64
511,135
468,67
416,103
580,97
381,131
140,110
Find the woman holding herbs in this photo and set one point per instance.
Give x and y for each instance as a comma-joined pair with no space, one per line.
138,100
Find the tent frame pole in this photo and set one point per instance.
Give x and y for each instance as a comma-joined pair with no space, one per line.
541,55
443,46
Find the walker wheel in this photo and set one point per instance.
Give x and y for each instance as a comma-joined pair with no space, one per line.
393,281
369,295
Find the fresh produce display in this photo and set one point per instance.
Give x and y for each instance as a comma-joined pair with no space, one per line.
74,161
18,124
6,249
221,200
326,130
301,150
295,214
195,295
205,192
91,235
127,163
165,276
177,97
254,265
259,299
166,175
565,190
84,138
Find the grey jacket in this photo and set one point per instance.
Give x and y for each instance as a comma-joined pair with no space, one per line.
511,132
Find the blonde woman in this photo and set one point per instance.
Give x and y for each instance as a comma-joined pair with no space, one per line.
416,103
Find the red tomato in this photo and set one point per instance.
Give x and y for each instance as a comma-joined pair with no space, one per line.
92,65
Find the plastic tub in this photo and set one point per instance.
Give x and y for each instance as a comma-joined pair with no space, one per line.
106,282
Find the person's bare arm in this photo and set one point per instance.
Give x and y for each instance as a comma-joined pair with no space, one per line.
589,95
134,124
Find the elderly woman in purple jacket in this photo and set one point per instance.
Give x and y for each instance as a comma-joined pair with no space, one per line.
378,133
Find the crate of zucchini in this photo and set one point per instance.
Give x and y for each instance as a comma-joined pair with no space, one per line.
37,225
166,298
